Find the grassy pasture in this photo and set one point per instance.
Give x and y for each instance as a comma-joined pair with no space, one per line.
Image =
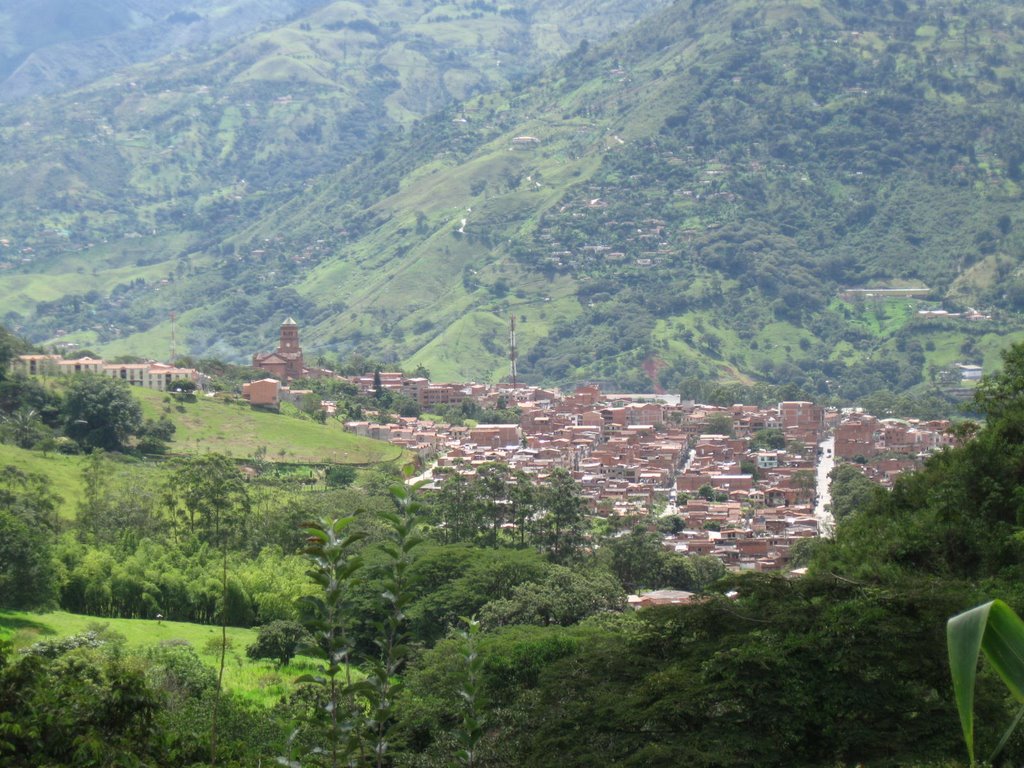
212,425
63,472
257,681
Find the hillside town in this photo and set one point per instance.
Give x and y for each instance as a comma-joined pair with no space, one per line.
745,484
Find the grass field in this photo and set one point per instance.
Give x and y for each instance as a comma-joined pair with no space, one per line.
257,681
63,472
213,425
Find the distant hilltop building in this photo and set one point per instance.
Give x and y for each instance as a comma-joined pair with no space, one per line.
151,375
912,292
285,363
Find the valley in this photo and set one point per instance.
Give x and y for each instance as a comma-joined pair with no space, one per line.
648,386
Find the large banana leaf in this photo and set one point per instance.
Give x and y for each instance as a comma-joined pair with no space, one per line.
995,630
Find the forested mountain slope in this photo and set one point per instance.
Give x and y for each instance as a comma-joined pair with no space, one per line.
47,46
688,198
157,172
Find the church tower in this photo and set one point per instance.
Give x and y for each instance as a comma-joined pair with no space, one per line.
289,337
285,363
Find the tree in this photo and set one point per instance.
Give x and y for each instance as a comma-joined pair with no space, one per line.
20,392
340,475
563,597
334,565
636,560
208,498
561,525
523,500
24,426
1001,395
850,490
10,346
805,482
209,494
183,386
458,509
94,707
312,405
117,505
28,574
719,424
100,412
393,635
492,489
769,439
28,523
279,640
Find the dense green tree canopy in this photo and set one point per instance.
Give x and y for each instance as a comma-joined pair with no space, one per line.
28,529
279,640
100,412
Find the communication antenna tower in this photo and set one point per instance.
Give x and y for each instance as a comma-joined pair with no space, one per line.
174,342
513,354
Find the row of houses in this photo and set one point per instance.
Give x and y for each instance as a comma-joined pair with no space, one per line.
744,505
426,393
862,436
151,375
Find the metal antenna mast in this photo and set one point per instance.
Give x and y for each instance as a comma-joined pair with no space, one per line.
174,342
513,353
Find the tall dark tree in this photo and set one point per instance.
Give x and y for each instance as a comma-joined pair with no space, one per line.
10,346
562,525
100,412
523,503
208,498
492,485
209,494
850,490
457,508
28,526
28,576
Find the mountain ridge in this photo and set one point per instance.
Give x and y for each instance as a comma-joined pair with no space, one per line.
701,188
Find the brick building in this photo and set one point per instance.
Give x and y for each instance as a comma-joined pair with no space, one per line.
285,363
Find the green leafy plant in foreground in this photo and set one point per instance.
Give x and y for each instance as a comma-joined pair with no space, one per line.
471,730
995,630
334,565
392,641
360,712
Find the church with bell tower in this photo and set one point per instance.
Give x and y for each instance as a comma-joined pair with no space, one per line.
285,363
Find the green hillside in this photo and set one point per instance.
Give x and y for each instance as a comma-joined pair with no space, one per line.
258,681
234,428
705,186
50,46
146,192
64,473
687,199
